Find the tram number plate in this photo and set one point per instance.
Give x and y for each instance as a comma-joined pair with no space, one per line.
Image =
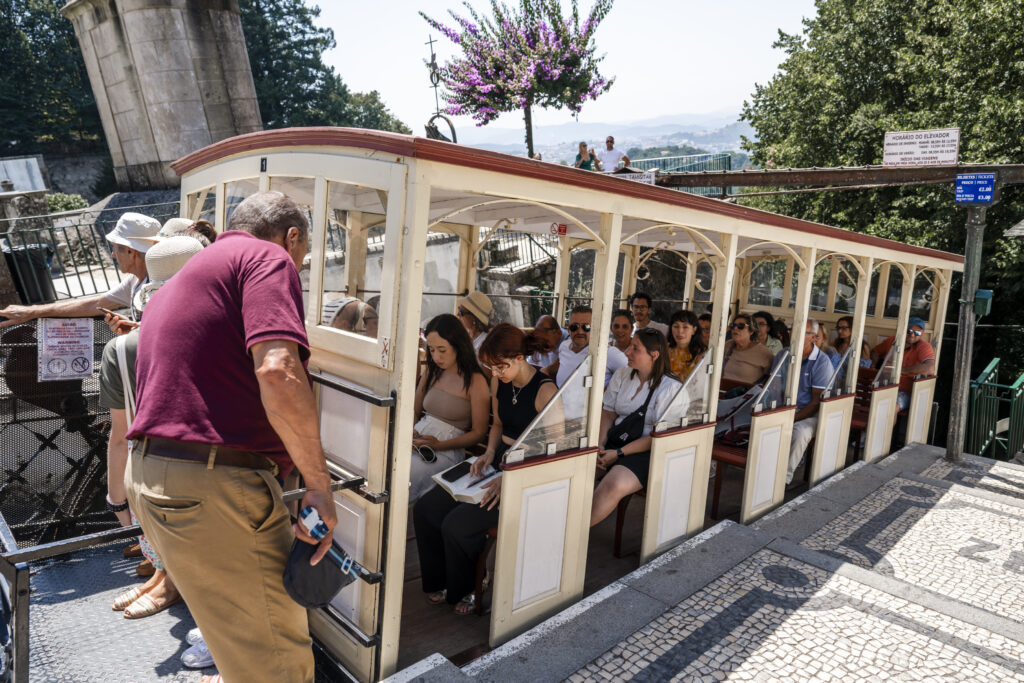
975,188
559,228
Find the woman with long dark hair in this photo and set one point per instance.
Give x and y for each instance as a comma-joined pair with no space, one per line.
451,535
765,324
645,387
685,345
452,403
622,328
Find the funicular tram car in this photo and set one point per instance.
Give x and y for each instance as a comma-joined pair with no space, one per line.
376,200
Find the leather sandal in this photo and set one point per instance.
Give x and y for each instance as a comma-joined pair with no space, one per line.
133,550
145,569
127,598
146,606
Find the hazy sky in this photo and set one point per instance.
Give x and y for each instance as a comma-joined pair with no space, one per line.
668,56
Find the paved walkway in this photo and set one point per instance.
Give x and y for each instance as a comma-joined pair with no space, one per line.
909,569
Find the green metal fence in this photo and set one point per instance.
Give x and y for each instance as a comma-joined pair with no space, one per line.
995,426
719,161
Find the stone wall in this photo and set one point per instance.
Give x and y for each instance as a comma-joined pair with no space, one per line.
169,76
76,173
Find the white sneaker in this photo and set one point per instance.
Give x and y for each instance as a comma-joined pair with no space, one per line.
194,636
198,656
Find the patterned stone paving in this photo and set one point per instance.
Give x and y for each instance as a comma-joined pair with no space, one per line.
989,476
774,618
957,545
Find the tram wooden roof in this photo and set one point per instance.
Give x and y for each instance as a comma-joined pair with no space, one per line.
470,157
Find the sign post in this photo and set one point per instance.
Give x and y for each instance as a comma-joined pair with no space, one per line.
977,191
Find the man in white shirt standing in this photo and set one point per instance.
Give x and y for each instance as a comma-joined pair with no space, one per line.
574,351
131,238
640,306
611,159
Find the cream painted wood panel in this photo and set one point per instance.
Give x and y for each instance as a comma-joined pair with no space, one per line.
832,437
881,416
764,481
543,531
677,488
345,428
920,412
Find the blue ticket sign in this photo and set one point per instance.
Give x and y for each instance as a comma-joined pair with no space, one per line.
975,188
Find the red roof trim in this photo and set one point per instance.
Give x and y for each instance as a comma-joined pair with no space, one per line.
449,153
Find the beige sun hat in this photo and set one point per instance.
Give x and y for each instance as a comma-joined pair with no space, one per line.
163,261
478,304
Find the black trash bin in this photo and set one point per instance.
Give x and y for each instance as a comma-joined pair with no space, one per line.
29,265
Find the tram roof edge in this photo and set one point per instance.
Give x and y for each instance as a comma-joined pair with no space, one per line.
471,157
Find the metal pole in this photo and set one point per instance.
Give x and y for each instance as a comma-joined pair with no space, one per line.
965,338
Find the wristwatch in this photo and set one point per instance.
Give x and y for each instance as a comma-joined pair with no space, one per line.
618,452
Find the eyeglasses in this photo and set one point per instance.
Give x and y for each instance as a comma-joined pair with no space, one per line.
916,333
497,368
842,327
738,326
579,326
610,140
640,307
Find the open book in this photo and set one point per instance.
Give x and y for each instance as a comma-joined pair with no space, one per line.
467,488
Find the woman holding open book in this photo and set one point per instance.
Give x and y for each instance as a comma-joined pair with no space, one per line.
452,403
451,535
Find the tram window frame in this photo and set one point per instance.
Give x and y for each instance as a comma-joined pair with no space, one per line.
208,210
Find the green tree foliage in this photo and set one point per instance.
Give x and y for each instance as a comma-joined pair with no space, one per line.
864,67
293,84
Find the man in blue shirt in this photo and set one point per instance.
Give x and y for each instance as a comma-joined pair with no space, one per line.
815,372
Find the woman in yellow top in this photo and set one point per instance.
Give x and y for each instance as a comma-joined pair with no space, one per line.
685,345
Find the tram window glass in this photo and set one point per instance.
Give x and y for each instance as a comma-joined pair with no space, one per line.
767,283
503,257
563,421
846,288
581,280
893,293
702,287
665,272
690,404
202,204
819,285
876,276
921,300
235,192
300,191
440,275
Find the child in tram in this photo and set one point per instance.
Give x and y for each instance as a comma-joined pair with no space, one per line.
451,535
685,347
637,397
452,403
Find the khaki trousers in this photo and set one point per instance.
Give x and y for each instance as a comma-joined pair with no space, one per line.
224,535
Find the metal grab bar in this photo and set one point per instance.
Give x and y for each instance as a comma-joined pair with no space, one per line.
373,399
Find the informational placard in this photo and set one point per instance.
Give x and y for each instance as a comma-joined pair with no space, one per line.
975,188
937,147
647,177
64,348
560,229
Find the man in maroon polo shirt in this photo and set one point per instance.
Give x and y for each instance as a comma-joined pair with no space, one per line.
224,412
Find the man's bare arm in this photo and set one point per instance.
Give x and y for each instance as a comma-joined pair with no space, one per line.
82,307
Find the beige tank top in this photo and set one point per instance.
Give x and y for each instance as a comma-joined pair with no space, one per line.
445,406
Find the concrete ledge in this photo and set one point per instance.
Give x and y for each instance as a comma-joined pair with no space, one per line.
434,669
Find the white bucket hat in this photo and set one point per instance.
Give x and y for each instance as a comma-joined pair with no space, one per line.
163,261
135,231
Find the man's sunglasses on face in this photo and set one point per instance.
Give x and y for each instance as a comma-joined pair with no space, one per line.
738,326
579,326
916,333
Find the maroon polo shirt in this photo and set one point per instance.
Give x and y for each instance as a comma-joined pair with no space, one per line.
195,376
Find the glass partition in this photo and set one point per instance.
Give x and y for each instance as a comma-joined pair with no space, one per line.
235,192
299,190
703,282
767,282
921,299
893,293
562,424
690,404
845,299
839,373
202,204
773,391
887,374
440,275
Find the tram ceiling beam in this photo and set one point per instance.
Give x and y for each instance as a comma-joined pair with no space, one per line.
1009,174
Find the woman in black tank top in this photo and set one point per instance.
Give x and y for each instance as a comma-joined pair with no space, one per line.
450,535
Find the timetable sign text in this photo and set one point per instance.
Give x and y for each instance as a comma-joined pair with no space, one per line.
938,147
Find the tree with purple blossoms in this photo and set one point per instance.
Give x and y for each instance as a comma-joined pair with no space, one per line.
520,58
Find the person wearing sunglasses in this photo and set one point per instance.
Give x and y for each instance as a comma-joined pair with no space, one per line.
685,346
640,305
610,158
452,404
747,360
918,358
474,311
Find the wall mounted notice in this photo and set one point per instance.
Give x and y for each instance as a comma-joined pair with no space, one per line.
64,347
938,147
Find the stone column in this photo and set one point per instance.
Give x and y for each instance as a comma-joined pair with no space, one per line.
169,76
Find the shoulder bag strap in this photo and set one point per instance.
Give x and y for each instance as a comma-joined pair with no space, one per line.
126,378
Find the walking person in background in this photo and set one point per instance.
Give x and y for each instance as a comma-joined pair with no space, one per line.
225,412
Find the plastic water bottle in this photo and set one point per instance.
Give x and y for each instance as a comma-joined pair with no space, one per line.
316,527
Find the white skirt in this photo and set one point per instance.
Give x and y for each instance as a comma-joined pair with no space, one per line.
420,471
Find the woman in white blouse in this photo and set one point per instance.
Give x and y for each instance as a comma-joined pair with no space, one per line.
627,466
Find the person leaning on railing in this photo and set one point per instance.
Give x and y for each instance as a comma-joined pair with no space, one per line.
130,239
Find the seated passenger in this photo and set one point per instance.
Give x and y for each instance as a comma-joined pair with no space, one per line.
475,314
572,352
765,324
746,360
705,328
685,348
815,372
822,342
640,304
782,332
549,336
918,358
450,535
622,329
636,398
452,403
351,315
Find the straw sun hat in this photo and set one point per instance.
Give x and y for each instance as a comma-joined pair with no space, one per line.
163,260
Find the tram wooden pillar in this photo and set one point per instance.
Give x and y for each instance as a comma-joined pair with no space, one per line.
801,313
860,312
562,268
723,273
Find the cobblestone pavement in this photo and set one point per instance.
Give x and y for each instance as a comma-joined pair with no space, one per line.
989,476
775,618
958,545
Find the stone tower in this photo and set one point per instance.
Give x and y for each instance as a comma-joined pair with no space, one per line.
170,76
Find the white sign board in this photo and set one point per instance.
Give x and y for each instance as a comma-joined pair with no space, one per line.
938,147
65,348
647,177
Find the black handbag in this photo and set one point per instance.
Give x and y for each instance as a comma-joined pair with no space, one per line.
630,429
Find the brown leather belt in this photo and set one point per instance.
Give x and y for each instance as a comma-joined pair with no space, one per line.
207,454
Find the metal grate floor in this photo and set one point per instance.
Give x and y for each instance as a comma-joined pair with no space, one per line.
76,636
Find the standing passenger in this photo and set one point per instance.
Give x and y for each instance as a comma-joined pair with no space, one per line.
225,409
